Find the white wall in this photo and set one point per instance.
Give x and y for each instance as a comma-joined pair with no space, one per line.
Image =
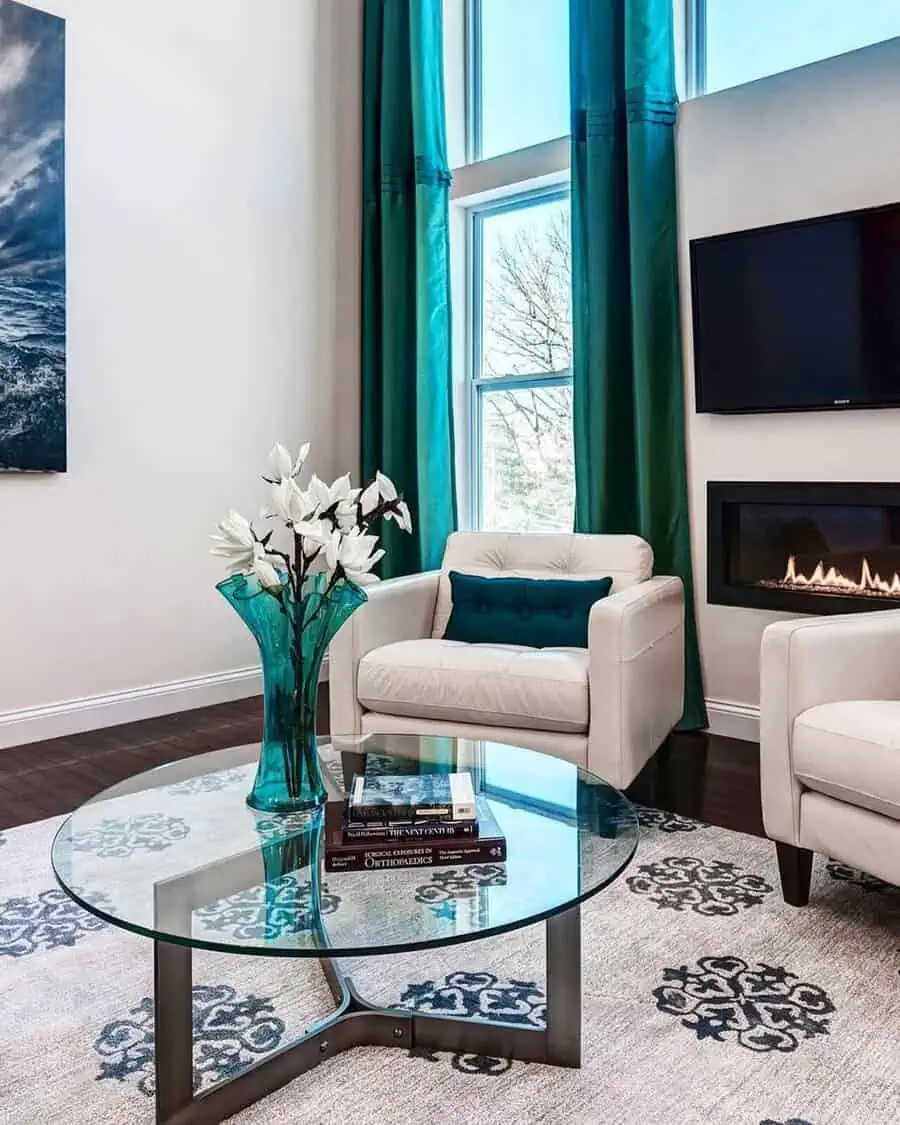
213,211
809,142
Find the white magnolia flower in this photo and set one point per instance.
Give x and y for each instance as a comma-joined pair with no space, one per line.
346,515
319,493
328,524
288,501
283,468
342,491
369,499
340,494
235,542
268,576
400,513
355,554
313,534
386,487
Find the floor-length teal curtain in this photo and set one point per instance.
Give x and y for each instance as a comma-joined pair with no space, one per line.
406,372
630,473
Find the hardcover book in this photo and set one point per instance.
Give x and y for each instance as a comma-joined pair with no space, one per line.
435,796
489,846
425,828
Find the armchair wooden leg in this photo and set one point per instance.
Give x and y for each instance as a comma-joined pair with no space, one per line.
795,868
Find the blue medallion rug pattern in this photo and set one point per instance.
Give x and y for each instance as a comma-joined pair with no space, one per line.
763,1008
479,996
119,839
273,828
664,821
230,1032
861,879
210,782
49,920
710,887
265,913
795,1023
450,884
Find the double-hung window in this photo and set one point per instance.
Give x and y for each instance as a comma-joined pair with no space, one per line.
512,196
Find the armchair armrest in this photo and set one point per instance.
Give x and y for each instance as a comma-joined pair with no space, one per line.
636,647
398,609
807,663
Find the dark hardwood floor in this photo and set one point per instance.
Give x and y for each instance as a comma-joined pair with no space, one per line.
47,778
704,776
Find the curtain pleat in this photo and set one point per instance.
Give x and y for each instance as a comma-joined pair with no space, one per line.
406,398
628,404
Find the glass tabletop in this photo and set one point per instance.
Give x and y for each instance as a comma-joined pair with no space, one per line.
176,854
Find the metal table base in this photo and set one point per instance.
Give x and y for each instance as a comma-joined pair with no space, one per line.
355,1023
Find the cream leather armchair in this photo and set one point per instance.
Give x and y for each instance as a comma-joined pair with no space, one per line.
607,707
830,745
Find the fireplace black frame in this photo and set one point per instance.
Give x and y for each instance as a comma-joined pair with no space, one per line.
720,493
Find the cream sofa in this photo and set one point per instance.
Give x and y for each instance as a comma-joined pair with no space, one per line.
607,707
830,744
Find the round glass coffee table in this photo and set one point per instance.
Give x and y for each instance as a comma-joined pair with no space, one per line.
166,852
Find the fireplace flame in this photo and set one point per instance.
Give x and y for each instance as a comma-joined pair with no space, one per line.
832,581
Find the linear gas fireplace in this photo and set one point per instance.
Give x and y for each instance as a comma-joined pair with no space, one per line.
804,548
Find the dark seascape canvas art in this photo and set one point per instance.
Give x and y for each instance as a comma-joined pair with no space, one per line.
32,240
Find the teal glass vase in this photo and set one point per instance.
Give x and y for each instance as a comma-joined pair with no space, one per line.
293,636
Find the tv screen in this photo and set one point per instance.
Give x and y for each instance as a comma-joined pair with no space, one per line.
801,316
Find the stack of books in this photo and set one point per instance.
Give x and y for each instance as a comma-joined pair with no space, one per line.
427,820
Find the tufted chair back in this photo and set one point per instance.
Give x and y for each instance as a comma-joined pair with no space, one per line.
626,559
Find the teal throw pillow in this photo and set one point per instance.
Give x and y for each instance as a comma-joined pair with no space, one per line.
537,612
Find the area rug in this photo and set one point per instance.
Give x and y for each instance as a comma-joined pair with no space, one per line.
706,1000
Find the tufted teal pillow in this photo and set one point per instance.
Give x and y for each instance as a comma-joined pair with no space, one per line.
537,612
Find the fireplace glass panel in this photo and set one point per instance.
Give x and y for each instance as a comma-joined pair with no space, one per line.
848,550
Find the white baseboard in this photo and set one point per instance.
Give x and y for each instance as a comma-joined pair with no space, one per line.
73,716
735,720
56,720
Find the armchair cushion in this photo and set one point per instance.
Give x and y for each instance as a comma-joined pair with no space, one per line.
851,751
491,685
538,612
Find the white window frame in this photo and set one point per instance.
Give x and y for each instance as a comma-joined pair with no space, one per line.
693,46
481,187
479,384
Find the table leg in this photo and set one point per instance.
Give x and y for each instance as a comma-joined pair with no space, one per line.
564,988
355,1023
173,1024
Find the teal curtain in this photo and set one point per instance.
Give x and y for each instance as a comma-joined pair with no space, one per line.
406,404
630,473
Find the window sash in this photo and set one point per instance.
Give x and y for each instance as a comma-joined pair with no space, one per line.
479,391
478,384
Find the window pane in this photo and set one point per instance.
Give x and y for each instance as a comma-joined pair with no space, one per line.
524,73
748,39
526,300
527,465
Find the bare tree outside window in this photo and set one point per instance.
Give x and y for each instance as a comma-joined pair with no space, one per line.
527,461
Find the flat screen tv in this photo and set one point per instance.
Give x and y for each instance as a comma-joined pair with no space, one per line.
800,316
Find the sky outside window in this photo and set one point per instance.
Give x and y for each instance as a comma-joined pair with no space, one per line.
525,54
749,39
524,74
